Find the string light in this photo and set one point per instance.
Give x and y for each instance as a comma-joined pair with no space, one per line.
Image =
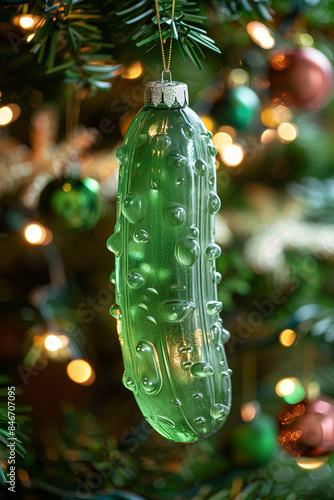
287,132
80,372
6,115
260,34
287,338
233,155
30,37
27,21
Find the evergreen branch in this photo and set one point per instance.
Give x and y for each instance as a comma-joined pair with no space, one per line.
141,22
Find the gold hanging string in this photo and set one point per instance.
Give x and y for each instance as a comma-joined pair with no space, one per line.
165,67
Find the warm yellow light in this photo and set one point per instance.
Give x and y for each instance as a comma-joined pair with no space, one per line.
134,71
287,337
30,37
248,412
26,22
260,34
6,115
67,187
238,76
228,130
269,117
310,463
285,387
233,155
287,132
268,136
221,140
53,343
80,372
208,122
35,234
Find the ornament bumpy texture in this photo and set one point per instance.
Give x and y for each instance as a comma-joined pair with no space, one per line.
167,308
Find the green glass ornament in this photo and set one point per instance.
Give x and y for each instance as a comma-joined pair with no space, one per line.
167,309
240,108
254,443
71,204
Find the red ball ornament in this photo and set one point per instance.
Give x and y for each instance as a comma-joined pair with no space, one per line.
302,78
306,429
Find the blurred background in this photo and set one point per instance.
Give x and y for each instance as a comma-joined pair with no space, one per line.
72,78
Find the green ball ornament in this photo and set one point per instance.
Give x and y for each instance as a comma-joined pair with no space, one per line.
253,443
67,204
240,108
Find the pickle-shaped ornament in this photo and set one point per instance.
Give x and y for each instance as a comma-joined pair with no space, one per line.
167,309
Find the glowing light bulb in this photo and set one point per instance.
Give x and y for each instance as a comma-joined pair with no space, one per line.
287,337
233,155
134,71
80,372
26,22
34,234
6,115
285,387
53,343
260,34
287,132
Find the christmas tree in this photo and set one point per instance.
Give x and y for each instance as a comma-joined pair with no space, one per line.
72,80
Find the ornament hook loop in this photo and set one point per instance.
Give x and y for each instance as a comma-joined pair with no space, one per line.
170,76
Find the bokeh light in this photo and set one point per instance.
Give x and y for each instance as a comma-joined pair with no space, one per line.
260,34
287,337
291,390
221,140
238,76
287,132
30,37
285,387
310,463
80,372
233,155
248,412
208,122
268,136
133,71
34,234
53,342
6,115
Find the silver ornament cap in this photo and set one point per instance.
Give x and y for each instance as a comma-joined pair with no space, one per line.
167,92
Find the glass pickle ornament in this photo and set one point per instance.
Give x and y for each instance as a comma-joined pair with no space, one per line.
167,309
